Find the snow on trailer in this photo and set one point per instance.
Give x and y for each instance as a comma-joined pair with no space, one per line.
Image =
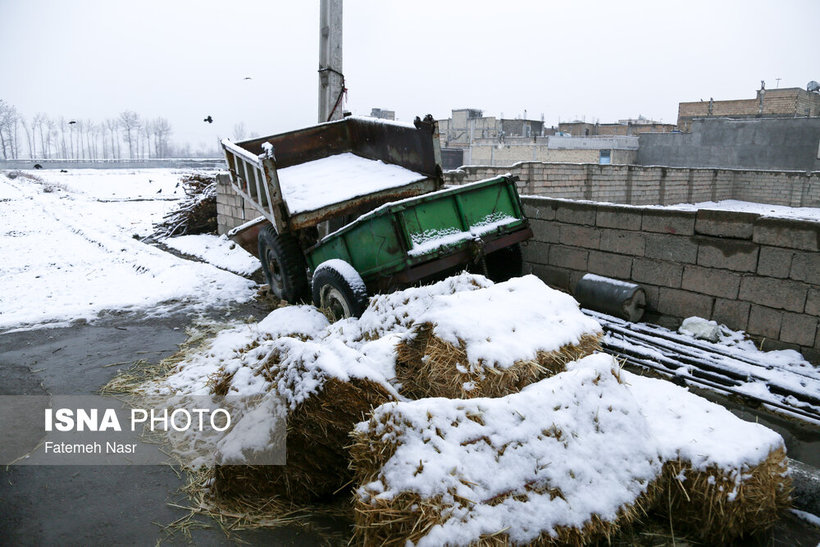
388,177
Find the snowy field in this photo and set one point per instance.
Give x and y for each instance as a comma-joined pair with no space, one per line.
71,249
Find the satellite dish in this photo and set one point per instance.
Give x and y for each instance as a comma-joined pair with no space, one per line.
813,86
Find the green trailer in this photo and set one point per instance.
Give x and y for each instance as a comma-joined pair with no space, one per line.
378,188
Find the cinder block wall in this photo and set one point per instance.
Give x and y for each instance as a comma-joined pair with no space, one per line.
749,272
642,185
231,209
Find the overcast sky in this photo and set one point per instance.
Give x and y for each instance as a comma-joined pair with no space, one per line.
598,60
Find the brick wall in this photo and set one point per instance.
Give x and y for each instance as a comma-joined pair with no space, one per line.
643,185
751,273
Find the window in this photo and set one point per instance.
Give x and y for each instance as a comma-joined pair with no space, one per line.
605,157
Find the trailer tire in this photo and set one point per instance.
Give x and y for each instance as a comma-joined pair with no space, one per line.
283,265
339,288
505,263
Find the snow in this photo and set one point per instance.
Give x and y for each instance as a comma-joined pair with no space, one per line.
733,353
699,328
216,250
597,440
764,209
315,184
70,252
508,322
431,240
348,272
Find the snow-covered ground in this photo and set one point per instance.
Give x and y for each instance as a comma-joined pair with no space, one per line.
71,249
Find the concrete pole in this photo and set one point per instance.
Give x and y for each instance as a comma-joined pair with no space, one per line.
331,80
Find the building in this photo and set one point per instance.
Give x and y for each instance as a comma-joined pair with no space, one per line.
626,127
382,114
778,129
791,102
470,138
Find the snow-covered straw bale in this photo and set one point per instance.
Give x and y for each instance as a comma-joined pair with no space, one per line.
567,459
493,340
723,477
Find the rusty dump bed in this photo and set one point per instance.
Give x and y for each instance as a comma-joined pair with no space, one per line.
301,178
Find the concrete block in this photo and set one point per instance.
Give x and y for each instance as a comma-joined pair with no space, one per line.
679,303
576,213
764,321
568,257
576,235
623,242
728,254
610,264
733,224
671,248
669,222
732,313
806,267
657,272
535,252
622,218
813,302
798,328
781,294
538,208
554,277
774,262
711,281
793,234
545,231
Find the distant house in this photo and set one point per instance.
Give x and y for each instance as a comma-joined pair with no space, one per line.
470,138
790,102
778,129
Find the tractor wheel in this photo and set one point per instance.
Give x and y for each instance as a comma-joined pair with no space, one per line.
283,265
339,288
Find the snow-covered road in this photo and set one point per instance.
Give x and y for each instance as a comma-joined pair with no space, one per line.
71,249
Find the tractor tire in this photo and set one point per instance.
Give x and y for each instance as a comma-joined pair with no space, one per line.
338,288
505,263
283,264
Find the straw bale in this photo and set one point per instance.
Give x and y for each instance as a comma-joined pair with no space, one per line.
721,506
427,366
317,433
507,470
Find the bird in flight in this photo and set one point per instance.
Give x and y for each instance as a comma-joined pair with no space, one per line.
247,78
209,119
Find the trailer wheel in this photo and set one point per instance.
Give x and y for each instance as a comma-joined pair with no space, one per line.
339,288
283,264
505,263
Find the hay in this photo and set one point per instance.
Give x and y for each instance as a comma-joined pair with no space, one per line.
196,214
427,366
722,506
317,465
509,470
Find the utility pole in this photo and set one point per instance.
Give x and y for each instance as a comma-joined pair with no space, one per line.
331,78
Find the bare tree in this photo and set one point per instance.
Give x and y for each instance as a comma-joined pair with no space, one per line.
8,123
239,132
130,121
29,138
162,130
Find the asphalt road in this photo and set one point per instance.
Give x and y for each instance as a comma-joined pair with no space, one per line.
95,505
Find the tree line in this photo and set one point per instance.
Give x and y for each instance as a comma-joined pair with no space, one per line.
126,136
